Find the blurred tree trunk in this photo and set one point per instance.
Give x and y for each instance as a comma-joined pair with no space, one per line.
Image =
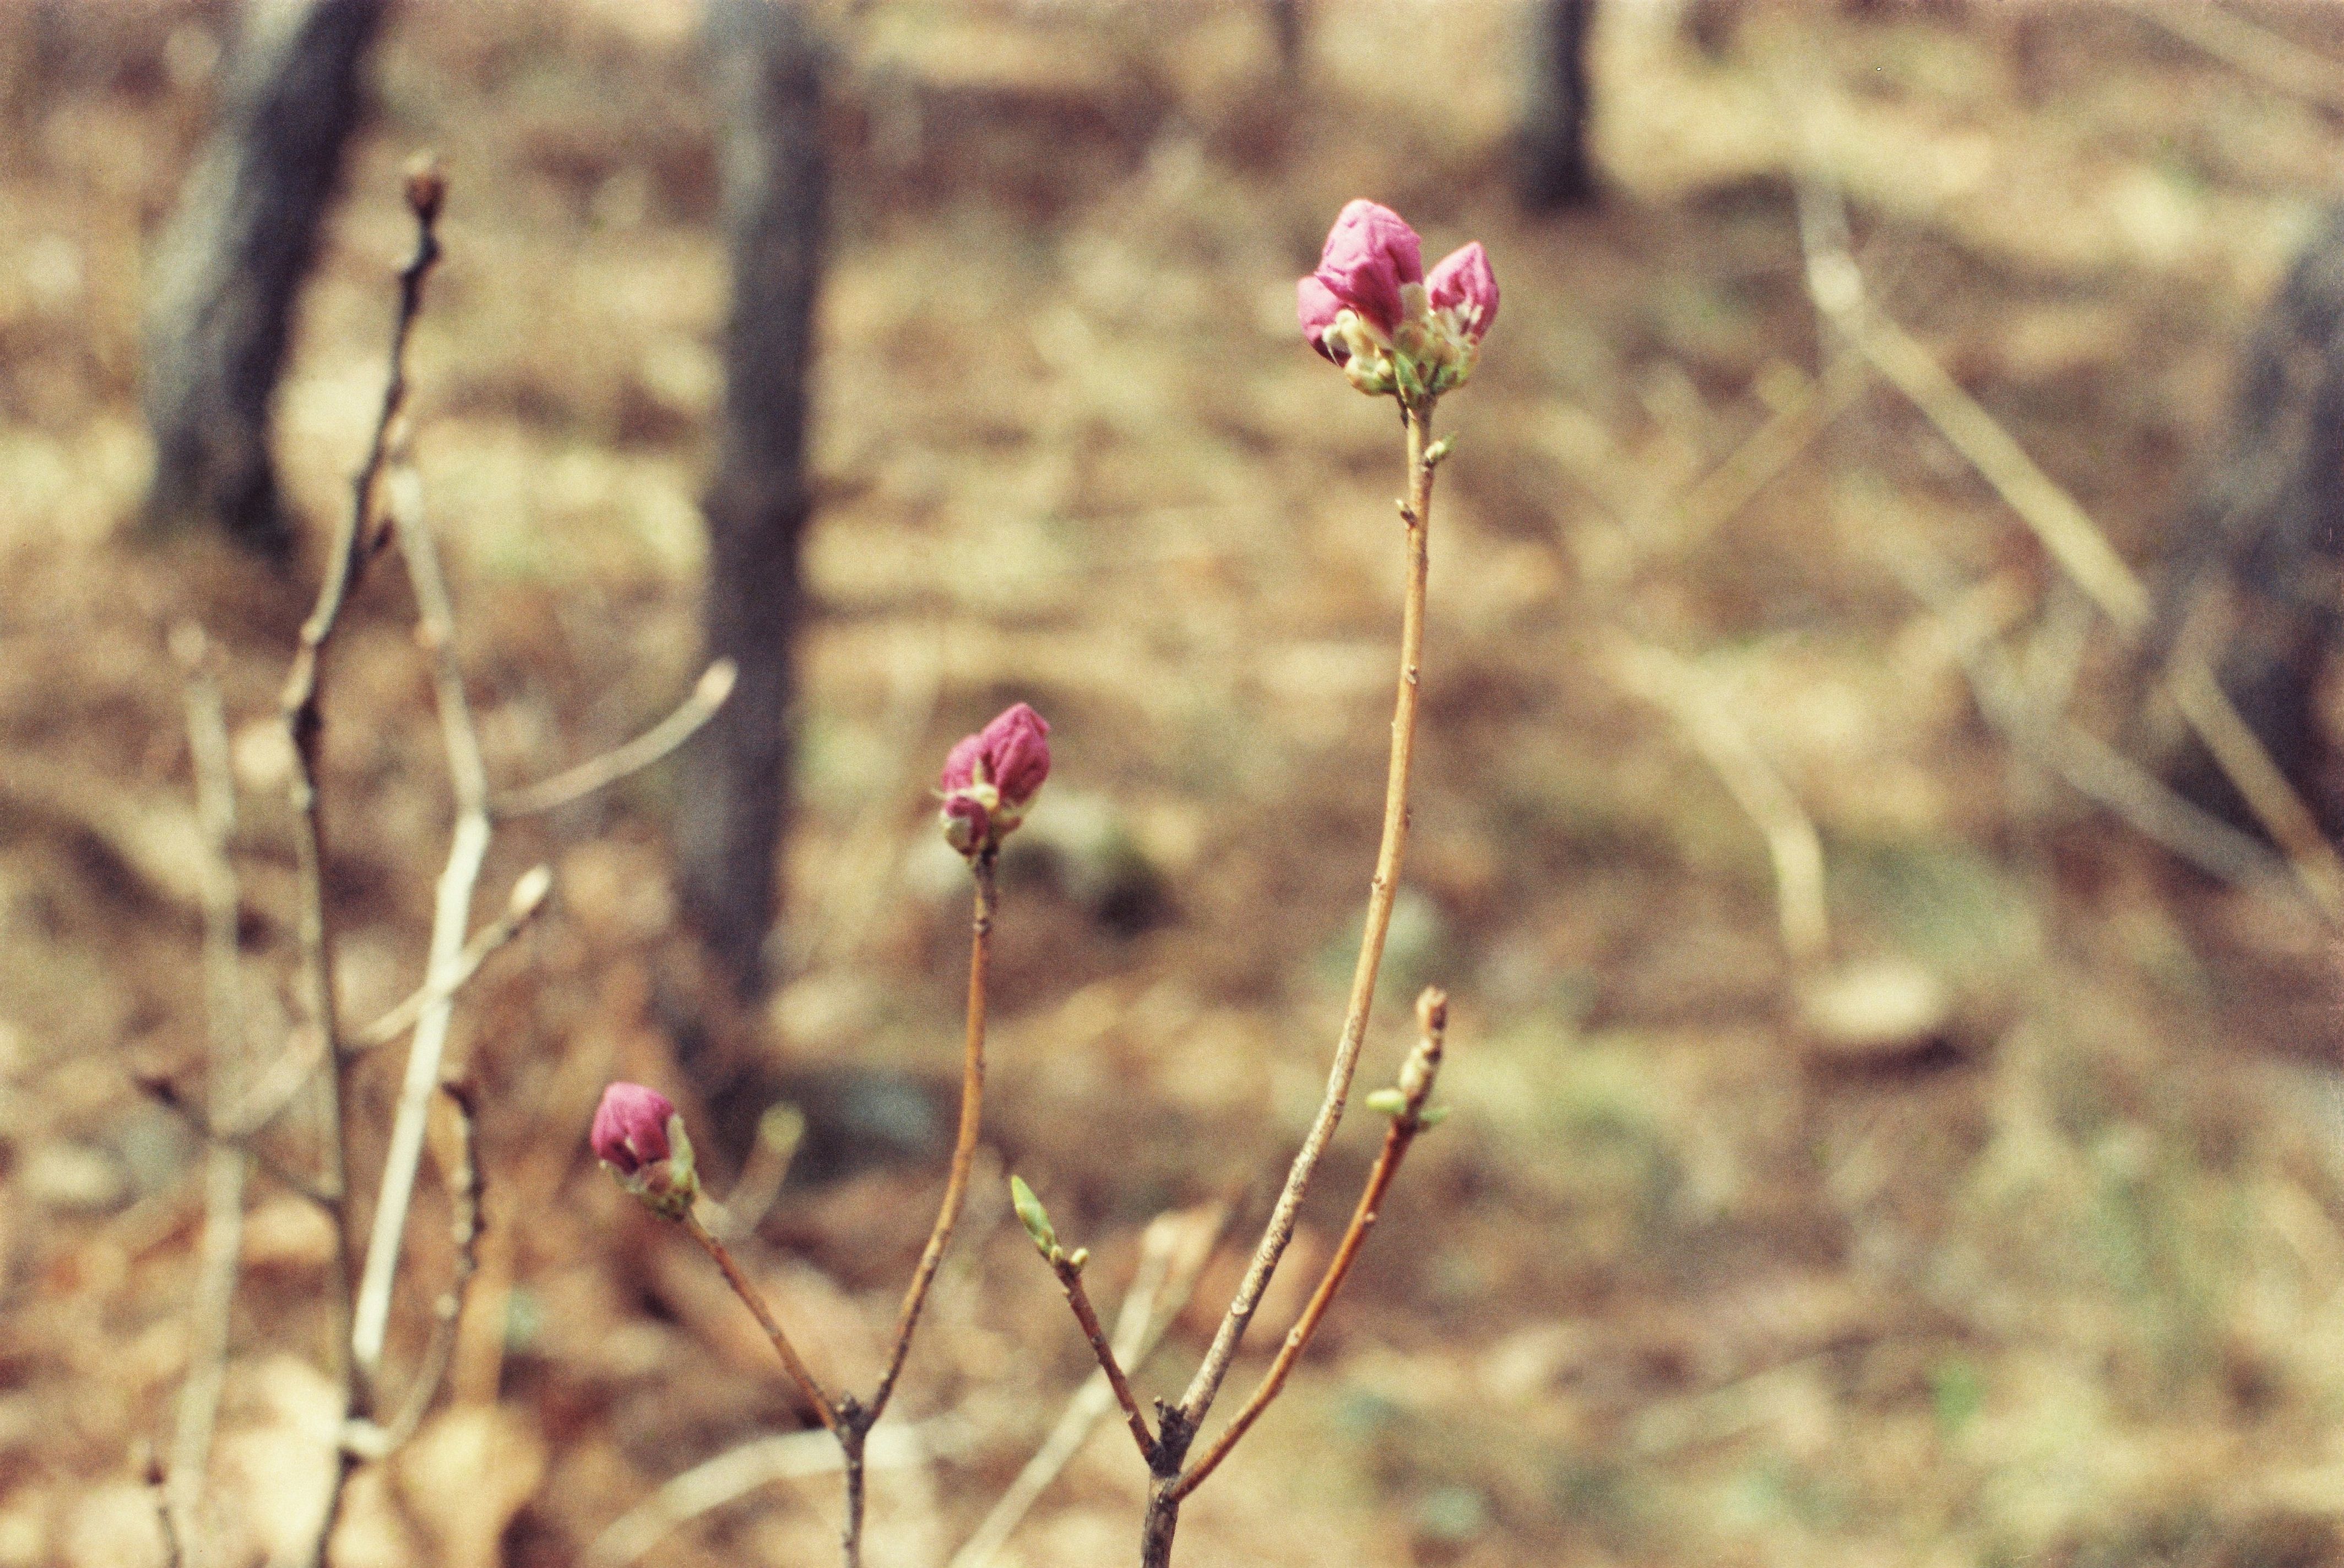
1288,27
230,265
1551,169
768,73
2256,567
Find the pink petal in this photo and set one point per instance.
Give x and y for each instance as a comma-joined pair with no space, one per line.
1464,282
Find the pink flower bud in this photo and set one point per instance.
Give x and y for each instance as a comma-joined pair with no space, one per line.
1317,306
991,777
630,1127
1371,252
1465,288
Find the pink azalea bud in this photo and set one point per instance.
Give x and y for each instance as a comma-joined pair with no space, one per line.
991,777
1371,252
639,1136
630,1127
1317,306
1464,288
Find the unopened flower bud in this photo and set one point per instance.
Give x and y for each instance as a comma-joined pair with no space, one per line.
640,1139
1371,308
992,776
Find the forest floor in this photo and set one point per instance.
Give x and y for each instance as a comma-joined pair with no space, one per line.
2027,1250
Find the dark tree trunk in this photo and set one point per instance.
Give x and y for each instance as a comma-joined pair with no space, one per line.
769,77
1288,27
229,266
2259,555
1552,166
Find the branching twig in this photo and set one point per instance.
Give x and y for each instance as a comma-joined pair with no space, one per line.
451,915
166,1092
1416,515
1415,1089
304,722
576,784
809,1390
1173,1252
226,1165
1662,678
2253,51
1178,1424
464,1226
528,898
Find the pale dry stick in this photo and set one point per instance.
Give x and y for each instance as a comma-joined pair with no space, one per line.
451,914
736,1472
826,1413
304,722
165,1094
1416,1080
1173,1252
1766,451
2251,50
1793,847
464,1226
779,1132
2088,765
1176,1425
226,1165
573,784
2074,541
528,896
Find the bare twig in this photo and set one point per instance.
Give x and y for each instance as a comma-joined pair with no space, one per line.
1673,684
1416,515
972,1107
158,1492
464,1227
809,1390
166,1092
226,1166
529,894
1729,487
1415,1089
779,1132
451,914
1173,1252
1068,1268
576,784
304,724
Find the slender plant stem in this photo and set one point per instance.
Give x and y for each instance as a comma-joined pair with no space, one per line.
972,1107
1416,514
810,1391
576,784
850,1534
1070,1279
1416,1088
304,714
1178,1424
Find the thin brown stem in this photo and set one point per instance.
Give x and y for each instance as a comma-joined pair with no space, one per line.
1070,1279
304,714
1416,514
1415,1087
850,1537
809,1390
972,1107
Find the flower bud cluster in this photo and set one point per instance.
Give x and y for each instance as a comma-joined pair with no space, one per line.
1372,310
991,777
